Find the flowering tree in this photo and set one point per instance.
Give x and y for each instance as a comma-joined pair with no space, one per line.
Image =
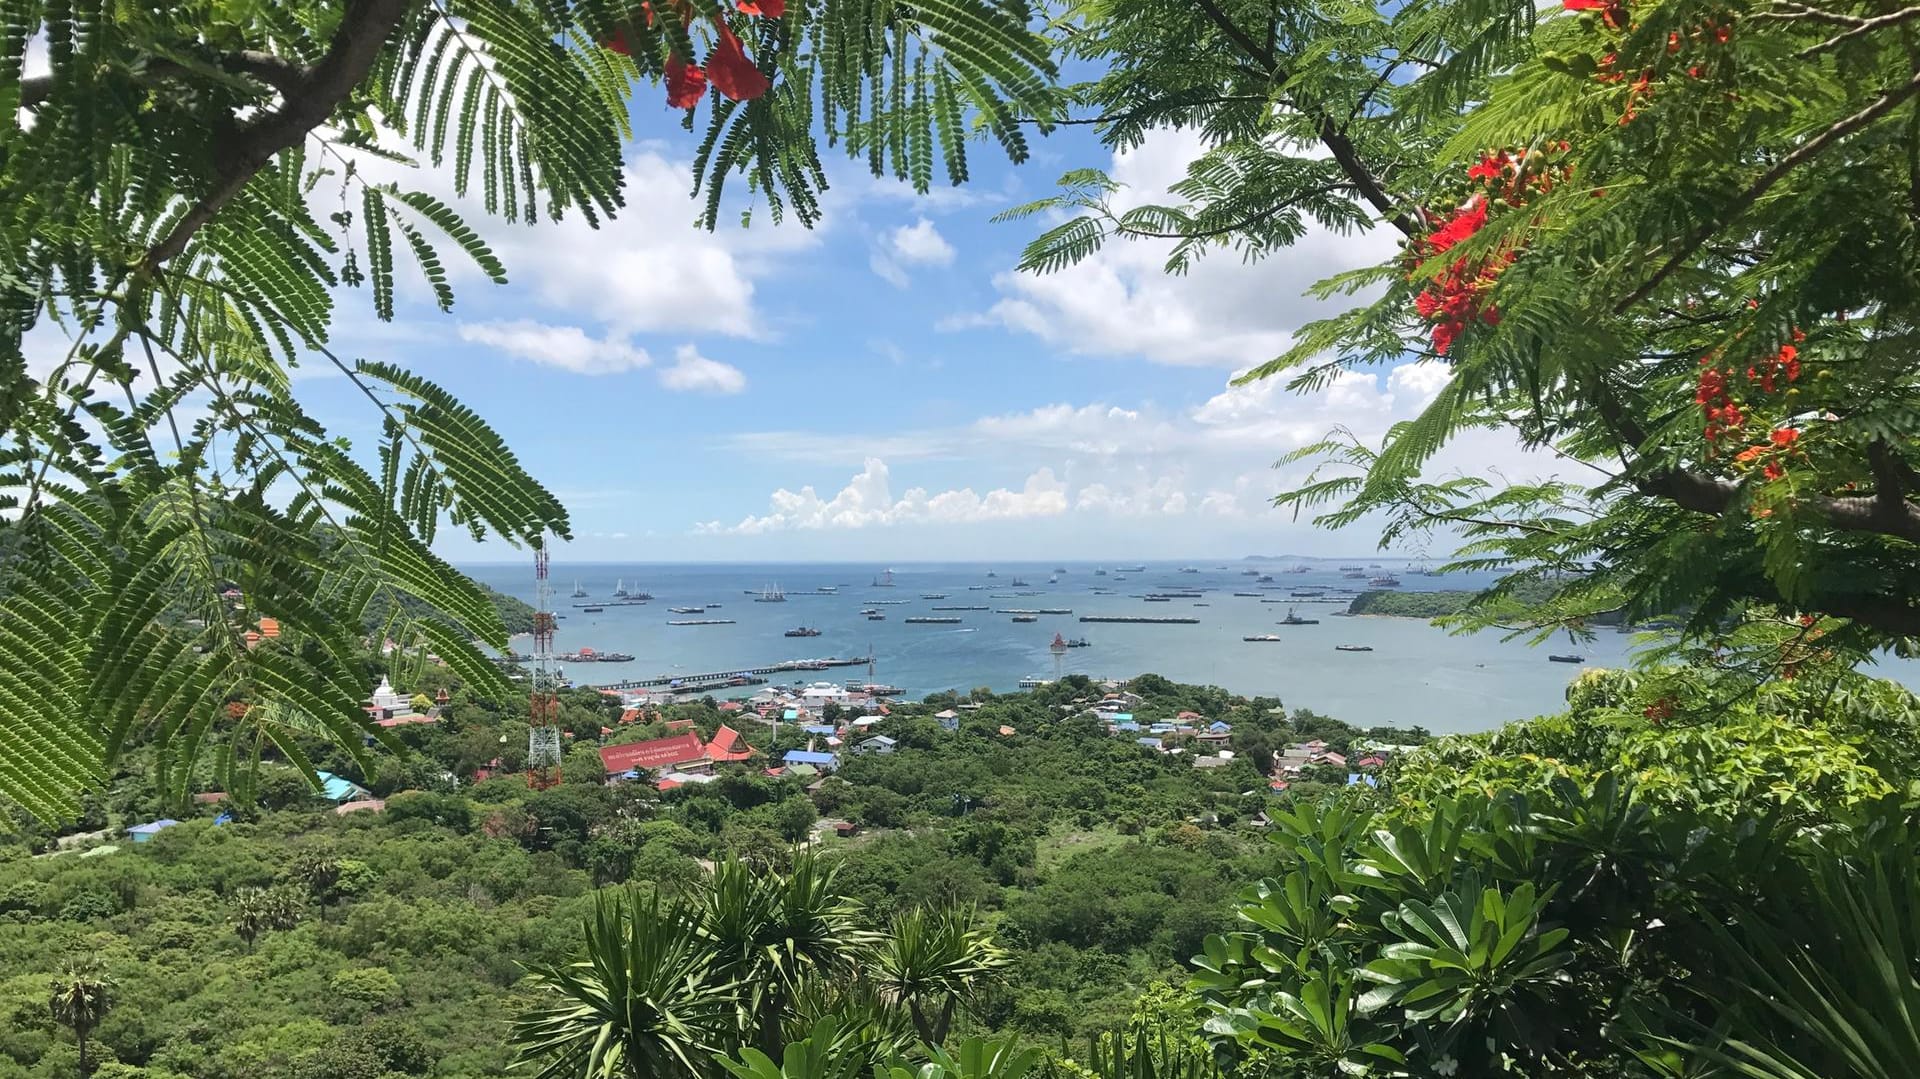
183,197
1671,244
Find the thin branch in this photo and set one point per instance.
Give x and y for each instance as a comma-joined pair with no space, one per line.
1246,222
1806,152
1861,26
363,32
1261,55
1133,114
283,75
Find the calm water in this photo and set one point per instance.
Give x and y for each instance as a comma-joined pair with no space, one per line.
1416,674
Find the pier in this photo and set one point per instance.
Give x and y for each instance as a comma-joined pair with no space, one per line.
722,677
1139,619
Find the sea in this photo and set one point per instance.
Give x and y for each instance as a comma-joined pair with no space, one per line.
1416,674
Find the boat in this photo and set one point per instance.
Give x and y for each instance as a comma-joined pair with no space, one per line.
1355,575
869,610
1295,620
1159,599
933,595
1139,620
1188,569
1117,577
701,622
1566,657
1079,642
579,592
1247,594
771,594
922,620
1296,569
588,655
1129,569
876,616
1026,618
1264,638
1058,570
1249,573
1035,682
1353,648
1099,572
1018,583
686,610
990,573
827,590
978,587
1265,578
1384,582
885,580
1308,593
593,610
803,631
620,588
1053,580
1347,569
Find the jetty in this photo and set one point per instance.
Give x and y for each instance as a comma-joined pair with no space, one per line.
700,622
932,621
1139,619
949,608
613,603
718,678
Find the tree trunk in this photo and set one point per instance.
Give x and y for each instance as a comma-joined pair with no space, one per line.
80,1035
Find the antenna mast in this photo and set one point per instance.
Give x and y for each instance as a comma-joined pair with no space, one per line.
543,701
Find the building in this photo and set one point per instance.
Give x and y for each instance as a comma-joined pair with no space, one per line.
825,762
1152,743
949,719
1212,762
676,752
361,805
339,789
879,743
727,746
142,833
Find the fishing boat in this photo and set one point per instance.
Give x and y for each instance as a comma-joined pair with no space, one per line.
1188,569
579,592
593,610
1265,578
933,595
1026,618
885,580
1295,620
1079,642
990,573
1263,638
876,616
1566,657
1099,572
620,588
869,610
1353,648
1053,580
1018,583
1387,581
686,610
1249,573
771,594
803,631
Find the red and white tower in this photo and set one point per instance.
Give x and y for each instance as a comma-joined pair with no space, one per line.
543,707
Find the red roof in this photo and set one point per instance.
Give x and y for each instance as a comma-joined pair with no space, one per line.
679,724
727,746
629,715
1336,759
730,706
1189,715
654,753
401,721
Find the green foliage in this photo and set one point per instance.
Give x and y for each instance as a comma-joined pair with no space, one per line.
160,215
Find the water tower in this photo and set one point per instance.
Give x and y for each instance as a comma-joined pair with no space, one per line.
1059,650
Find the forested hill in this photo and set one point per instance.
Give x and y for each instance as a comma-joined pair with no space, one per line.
1439,604
517,614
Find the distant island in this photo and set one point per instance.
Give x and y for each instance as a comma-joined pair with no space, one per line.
1430,605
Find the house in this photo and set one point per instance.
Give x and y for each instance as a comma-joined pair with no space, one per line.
1120,717
731,706
825,762
1219,726
844,828
1370,762
867,722
1151,743
1335,759
1279,786
1128,727
949,719
727,746
1006,731
340,790
1190,717
802,771
1212,762
142,833
360,805
1213,738
674,752
879,743
680,779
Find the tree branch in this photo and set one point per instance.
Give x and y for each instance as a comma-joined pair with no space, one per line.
1806,152
1246,222
309,102
283,75
1151,107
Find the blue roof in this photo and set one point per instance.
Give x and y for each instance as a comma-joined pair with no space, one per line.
1150,743
791,713
336,788
1354,779
152,826
1121,717
1219,725
1129,725
801,756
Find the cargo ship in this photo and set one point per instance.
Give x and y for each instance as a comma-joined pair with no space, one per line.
803,631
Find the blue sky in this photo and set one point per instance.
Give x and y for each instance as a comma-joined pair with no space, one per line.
884,387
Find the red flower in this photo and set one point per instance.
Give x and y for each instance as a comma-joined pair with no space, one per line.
618,43
1673,42
1785,436
731,72
1464,223
1489,168
686,83
772,9
1426,303
1587,5
1773,471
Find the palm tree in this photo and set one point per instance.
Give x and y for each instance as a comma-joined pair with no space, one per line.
256,910
930,961
81,997
644,1000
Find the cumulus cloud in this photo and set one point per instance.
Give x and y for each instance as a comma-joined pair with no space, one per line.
692,372
867,501
567,347
918,244
1211,460
1121,302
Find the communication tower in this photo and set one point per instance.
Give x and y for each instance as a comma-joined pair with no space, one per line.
1059,650
543,707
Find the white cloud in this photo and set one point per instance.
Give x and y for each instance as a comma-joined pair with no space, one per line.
1121,302
920,244
888,270
567,347
692,372
867,502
